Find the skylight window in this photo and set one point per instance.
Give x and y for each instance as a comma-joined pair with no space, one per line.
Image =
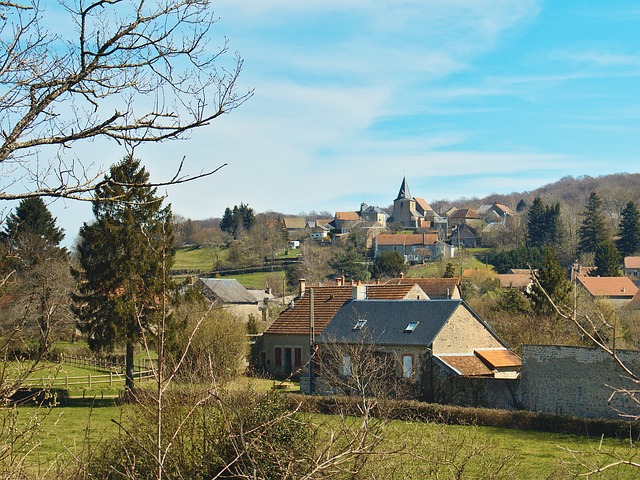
359,325
411,327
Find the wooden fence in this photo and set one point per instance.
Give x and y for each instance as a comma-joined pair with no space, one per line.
87,381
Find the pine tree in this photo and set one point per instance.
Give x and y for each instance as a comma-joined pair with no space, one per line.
535,224
388,264
31,233
593,231
553,279
629,230
607,260
124,258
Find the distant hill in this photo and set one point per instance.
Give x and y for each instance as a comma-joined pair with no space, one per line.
572,192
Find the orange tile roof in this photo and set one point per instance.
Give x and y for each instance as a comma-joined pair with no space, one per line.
514,280
347,216
620,287
501,358
631,262
466,365
504,208
464,213
433,287
409,239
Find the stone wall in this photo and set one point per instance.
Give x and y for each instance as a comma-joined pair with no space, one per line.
575,381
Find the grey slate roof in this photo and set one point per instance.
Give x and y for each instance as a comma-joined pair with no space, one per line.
228,290
387,321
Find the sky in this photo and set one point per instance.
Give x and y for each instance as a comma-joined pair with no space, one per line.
463,97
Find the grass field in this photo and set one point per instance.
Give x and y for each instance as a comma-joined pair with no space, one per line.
463,259
68,430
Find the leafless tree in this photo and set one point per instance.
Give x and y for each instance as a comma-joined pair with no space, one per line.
126,70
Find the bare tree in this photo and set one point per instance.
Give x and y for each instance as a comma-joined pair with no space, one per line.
127,70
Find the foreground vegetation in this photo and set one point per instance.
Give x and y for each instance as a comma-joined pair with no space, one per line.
408,449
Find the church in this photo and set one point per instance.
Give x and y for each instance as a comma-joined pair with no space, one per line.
412,212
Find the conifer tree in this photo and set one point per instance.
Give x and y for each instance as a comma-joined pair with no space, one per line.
31,234
593,230
124,258
607,260
629,230
553,279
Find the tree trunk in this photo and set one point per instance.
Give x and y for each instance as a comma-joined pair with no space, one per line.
129,387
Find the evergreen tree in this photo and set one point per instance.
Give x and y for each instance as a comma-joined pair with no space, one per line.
553,279
593,230
449,271
124,257
543,224
236,219
607,260
351,260
521,206
536,224
388,264
629,230
31,234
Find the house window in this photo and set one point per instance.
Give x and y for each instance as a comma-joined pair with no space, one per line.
359,325
407,366
297,360
278,356
411,327
346,365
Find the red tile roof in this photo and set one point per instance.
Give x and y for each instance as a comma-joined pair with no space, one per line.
612,287
466,365
465,213
514,280
388,292
632,262
353,216
423,204
409,239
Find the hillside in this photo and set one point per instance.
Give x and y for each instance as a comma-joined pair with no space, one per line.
615,190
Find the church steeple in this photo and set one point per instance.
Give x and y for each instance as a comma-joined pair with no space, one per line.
404,190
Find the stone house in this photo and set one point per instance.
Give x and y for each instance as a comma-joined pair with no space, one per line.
618,290
283,349
431,342
415,247
632,266
234,297
465,236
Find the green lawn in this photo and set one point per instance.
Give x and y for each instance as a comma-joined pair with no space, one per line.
198,258
524,454
463,259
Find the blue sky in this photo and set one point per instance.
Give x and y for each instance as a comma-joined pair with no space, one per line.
465,98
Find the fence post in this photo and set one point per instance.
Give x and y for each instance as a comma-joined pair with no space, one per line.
89,380
66,381
110,379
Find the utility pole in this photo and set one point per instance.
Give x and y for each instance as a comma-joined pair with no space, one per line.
311,341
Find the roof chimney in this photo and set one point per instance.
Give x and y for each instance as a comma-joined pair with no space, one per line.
340,281
359,291
303,286
401,274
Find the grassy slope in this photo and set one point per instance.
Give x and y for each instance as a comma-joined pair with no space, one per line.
533,455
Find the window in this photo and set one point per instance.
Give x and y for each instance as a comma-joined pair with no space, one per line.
297,357
411,327
278,356
359,325
407,366
346,365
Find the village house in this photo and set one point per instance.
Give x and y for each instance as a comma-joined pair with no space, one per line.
632,266
231,295
618,290
283,349
415,247
430,343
